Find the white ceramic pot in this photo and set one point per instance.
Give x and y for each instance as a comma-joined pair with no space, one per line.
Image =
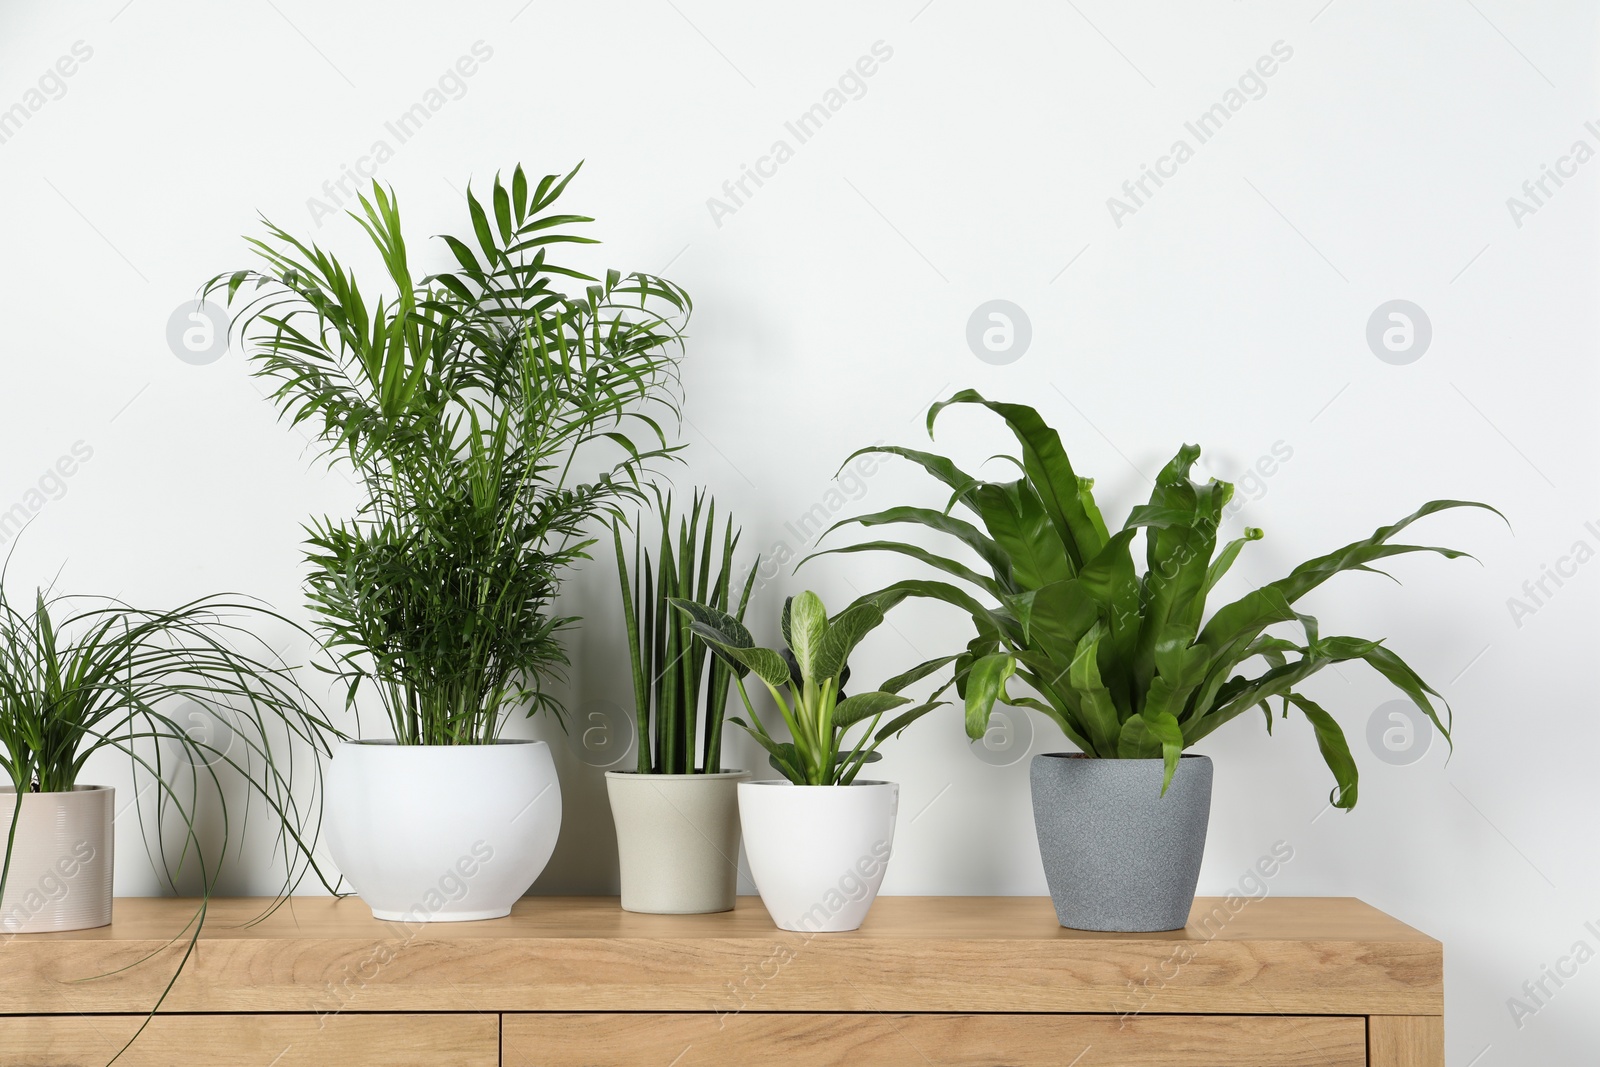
677,840
818,852
442,833
61,860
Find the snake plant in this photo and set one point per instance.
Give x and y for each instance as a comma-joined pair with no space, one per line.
1128,664
668,659
812,670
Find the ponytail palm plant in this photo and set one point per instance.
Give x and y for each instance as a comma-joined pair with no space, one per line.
489,416
82,676
1129,665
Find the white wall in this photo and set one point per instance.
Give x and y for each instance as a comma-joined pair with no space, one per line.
1229,308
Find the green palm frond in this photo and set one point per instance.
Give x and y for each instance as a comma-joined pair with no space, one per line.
490,415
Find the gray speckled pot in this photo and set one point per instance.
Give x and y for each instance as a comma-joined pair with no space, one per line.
1117,854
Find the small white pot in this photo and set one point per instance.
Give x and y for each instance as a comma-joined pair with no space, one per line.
677,840
818,852
442,833
61,860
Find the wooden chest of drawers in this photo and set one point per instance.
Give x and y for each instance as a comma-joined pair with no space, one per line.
576,982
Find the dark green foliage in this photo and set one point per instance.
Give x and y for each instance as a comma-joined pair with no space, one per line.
471,405
1126,663
812,670
668,659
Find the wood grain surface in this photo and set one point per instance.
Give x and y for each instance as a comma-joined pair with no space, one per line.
252,1040
873,1040
1289,956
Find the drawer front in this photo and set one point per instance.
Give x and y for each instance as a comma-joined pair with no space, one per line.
251,1040
872,1039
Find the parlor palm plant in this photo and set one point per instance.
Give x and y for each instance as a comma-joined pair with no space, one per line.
490,416
468,402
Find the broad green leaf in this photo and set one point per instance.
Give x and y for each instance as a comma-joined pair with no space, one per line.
808,626
1230,552
1055,617
1400,674
1313,573
720,627
986,683
1016,520
915,674
853,709
922,555
1097,711
894,726
844,632
991,554
1135,741
1110,579
938,466
767,664
1335,751
1049,471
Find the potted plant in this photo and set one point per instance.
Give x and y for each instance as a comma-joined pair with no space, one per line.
1128,665
677,822
81,676
488,417
192,699
818,840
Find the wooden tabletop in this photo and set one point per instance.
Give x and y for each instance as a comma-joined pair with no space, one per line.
1326,956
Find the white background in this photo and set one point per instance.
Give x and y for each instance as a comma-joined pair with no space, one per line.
831,308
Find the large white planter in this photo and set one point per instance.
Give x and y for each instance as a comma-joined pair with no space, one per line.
442,833
677,840
818,852
61,860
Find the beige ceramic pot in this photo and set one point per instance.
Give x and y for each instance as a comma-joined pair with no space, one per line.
61,858
677,840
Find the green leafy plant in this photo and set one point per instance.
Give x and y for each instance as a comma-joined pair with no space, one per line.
489,416
1127,663
668,659
83,675
812,670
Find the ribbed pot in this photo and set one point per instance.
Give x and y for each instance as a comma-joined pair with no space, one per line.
1118,855
60,861
442,833
818,852
677,840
